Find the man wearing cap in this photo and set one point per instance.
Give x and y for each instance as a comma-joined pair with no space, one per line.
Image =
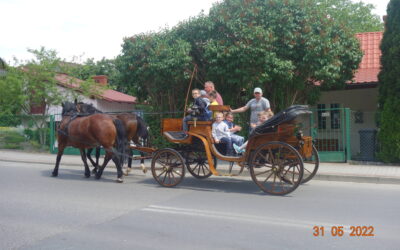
256,105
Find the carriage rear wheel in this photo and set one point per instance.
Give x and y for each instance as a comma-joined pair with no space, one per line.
277,168
197,164
168,167
311,165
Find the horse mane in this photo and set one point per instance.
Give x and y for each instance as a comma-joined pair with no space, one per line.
68,108
87,108
142,128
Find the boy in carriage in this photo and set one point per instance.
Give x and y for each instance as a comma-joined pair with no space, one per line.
197,111
221,133
262,117
233,128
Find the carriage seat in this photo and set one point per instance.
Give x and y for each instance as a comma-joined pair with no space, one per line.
176,135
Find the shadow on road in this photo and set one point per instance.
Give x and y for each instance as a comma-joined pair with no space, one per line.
78,175
218,184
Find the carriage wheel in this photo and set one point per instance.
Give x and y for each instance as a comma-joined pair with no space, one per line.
311,165
277,168
197,164
167,167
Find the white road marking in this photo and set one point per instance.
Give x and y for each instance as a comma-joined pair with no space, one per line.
240,217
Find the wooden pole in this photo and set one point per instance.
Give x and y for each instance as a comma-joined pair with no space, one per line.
190,86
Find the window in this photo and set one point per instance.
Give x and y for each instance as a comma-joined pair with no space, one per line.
335,116
321,116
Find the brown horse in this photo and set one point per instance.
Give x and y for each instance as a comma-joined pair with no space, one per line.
88,132
135,126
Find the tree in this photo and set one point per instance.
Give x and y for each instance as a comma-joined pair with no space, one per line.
91,68
156,67
285,47
34,85
389,86
357,16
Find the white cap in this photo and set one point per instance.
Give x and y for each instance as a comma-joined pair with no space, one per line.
257,90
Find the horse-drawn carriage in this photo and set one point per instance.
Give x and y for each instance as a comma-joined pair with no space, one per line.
278,156
275,153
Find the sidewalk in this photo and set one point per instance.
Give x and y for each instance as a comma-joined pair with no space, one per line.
382,174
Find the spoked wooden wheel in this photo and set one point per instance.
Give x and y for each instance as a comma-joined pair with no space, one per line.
197,164
168,167
311,165
277,168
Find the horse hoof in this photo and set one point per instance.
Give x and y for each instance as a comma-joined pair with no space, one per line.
98,176
87,175
54,174
120,180
144,169
127,171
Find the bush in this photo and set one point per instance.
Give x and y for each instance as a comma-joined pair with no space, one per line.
14,138
389,134
12,146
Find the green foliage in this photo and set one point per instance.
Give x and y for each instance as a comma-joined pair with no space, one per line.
356,16
11,139
389,86
156,68
282,46
91,68
389,133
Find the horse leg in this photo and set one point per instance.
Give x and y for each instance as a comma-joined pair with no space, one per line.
107,158
59,155
89,156
97,156
83,156
129,168
144,169
118,164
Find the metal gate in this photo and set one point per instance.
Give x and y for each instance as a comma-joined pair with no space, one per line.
331,133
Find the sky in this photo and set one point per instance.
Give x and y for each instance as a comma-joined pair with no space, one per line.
92,28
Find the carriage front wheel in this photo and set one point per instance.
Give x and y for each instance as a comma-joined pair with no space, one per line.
197,164
168,167
277,168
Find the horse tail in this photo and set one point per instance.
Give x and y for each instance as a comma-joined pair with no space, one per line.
121,142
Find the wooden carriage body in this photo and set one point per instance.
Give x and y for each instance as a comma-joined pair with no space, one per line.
202,130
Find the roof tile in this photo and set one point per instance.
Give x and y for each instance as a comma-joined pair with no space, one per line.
369,67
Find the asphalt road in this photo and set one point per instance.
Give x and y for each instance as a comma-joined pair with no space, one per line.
71,212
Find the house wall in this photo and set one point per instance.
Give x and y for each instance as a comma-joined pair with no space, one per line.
107,106
362,100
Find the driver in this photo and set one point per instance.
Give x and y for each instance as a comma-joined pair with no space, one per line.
198,110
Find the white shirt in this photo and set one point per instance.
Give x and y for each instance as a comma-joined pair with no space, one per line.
220,130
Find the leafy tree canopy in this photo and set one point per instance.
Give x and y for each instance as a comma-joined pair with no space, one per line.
389,86
285,47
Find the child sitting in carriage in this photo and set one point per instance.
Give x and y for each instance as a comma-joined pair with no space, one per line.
233,128
262,117
221,133
197,111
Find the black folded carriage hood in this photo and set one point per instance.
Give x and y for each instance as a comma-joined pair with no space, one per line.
286,115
